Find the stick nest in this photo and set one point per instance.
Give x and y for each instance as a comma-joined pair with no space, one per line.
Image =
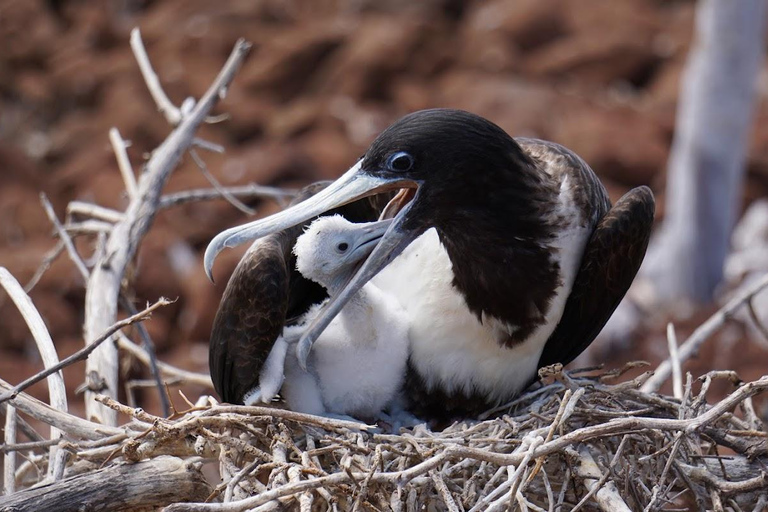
577,441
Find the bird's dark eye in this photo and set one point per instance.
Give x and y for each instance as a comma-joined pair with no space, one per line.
400,162
343,246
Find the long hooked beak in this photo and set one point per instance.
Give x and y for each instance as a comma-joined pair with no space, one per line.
389,247
352,185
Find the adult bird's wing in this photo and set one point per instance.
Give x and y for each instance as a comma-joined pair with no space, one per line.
611,259
264,294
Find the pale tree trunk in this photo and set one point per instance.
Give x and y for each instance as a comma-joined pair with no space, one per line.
707,163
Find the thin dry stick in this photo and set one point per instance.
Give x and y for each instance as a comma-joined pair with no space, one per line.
35,445
149,347
48,259
703,475
64,237
237,477
605,493
88,227
662,480
119,146
331,424
207,145
93,211
245,191
9,459
56,388
445,494
218,187
702,333
756,320
84,352
186,376
104,285
68,423
26,428
164,105
555,424
674,358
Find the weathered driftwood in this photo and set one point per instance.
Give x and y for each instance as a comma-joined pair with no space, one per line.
147,484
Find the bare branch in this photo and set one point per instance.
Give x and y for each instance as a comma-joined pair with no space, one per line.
702,334
139,353
48,259
94,211
605,492
724,486
84,352
246,191
164,105
9,459
674,358
104,285
123,163
56,389
149,347
217,186
67,423
64,237
207,145
146,485
26,428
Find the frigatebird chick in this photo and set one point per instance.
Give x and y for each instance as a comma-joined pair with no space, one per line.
357,366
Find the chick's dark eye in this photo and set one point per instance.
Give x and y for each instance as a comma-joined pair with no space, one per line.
343,246
400,162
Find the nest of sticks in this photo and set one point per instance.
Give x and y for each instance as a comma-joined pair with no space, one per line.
578,440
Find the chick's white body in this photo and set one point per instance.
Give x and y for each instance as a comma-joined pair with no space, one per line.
357,366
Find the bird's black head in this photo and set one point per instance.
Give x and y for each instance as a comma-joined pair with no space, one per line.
439,145
458,161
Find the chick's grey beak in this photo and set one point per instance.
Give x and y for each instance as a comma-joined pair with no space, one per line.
352,185
367,236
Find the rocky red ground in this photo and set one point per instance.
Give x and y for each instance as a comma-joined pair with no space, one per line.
324,78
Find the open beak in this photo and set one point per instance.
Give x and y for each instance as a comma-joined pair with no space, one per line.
366,236
352,185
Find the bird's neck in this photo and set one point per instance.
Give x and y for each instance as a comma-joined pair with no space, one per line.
504,261
356,316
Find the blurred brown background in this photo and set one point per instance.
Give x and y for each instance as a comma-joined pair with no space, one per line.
599,77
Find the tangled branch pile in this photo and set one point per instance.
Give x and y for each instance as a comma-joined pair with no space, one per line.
578,440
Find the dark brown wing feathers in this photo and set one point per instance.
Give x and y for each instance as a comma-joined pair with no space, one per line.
611,259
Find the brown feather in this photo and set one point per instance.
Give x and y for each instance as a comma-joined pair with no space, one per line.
611,260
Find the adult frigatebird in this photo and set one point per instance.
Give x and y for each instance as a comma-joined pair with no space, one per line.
505,252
